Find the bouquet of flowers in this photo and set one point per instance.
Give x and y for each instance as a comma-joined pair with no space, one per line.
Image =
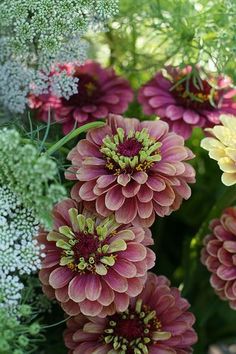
117,177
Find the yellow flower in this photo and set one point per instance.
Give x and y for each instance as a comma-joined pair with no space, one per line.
222,147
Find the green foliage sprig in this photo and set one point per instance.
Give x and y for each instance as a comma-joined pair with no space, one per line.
147,35
33,177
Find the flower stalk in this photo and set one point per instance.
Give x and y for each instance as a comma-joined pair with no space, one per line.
72,135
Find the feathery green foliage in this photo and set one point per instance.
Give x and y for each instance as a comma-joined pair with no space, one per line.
146,35
31,176
19,336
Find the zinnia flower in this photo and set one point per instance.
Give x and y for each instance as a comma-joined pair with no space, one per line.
219,255
186,102
93,265
132,168
222,148
100,92
156,322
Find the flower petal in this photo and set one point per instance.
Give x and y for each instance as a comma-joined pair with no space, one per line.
60,277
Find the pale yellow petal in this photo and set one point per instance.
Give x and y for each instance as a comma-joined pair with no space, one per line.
228,178
217,154
210,143
231,153
215,147
227,165
228,121
227,137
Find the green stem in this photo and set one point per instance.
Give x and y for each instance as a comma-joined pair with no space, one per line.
56,324
72,135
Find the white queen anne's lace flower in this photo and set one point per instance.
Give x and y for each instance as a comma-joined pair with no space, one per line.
36,34
10,292
20,254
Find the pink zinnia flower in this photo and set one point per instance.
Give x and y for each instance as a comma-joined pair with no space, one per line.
93,265
47,103
132,168
156,322
186,103
219,255
100,92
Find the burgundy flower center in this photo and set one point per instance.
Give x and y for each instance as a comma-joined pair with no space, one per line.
132,330
88,91
129,148
194,95
86,246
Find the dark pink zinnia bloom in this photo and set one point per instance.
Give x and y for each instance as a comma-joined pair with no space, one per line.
156,322
100,92
186,103
134,169
219,255
93,265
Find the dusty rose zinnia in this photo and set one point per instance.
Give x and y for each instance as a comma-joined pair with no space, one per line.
100,92
134,169
47,103
156,322
185,102
93,265
219,255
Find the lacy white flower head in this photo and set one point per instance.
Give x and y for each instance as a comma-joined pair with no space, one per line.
33,177
50,22
10,292
20,253
19,250
39,33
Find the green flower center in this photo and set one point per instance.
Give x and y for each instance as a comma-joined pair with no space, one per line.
87,246
127,154
132,331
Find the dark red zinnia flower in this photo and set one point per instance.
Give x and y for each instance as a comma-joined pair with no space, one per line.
100,92
186,102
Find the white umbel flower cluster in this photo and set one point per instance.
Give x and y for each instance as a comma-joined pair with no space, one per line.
49,23
10,292
36,35
20,253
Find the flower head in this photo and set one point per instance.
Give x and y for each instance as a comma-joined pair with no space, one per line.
93,265
157,321
132,168
100,92
222,147
185,102
48,25
20,253
10,292
219,255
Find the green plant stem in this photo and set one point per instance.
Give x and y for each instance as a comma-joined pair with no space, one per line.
72,135
227,198
56,324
